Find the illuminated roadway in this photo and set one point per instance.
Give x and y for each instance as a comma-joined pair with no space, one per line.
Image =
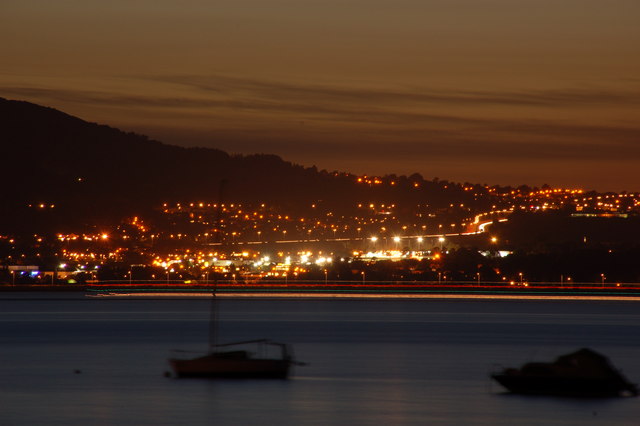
481,228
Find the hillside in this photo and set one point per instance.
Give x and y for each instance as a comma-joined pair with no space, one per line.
94,173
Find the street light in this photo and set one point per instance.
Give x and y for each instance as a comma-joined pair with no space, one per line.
55,271
363,277
325,277
603,278
521,278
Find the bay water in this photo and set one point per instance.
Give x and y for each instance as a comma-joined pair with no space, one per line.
73,360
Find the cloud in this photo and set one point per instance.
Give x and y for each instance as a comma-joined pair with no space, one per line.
301,107
334,104
439,146
252,115
221,85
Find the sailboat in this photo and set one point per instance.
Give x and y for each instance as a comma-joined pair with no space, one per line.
260,358
225,361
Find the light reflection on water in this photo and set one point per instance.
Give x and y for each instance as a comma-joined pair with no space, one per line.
370,361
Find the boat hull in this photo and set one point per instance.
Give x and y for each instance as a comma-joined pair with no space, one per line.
212,366
561,386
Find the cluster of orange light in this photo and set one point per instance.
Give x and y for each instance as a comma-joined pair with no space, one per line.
373,180
556,191
87,256
42,206
609,202
84,237
139,224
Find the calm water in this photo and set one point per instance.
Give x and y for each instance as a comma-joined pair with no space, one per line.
390,362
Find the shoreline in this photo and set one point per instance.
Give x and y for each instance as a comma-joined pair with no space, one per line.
334,296
335,292
41,288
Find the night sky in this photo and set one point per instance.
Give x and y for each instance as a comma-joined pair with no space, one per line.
486,91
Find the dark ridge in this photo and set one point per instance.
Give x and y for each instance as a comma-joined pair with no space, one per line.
94,173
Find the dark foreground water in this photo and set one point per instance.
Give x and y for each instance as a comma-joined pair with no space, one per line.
387,362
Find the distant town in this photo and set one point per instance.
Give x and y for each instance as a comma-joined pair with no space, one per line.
102,207
202,242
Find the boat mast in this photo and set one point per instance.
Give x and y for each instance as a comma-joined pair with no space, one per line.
213,312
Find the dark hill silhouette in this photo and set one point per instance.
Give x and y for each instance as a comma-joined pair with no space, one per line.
95,173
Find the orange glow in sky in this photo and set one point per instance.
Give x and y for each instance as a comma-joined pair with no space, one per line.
487,91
